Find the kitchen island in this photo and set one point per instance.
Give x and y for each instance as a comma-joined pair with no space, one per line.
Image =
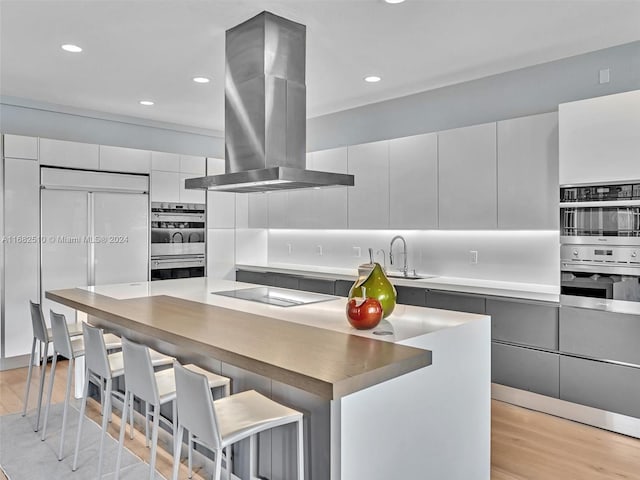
409,399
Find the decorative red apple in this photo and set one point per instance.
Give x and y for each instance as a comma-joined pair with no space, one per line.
364,313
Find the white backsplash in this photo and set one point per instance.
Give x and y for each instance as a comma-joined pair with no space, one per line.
530,256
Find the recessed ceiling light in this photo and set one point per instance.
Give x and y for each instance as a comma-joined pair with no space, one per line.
394,1
68,47
201,79
146,103
372,78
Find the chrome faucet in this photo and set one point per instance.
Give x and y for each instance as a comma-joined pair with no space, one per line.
405,268
384,259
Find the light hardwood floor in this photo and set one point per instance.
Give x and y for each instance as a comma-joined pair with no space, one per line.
525,445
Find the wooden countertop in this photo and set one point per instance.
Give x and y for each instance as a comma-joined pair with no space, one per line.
327,363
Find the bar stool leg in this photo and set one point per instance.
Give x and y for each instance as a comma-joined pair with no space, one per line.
46,410
66,407
83,407
130,416
26,393
105,422
154,441
227,452
176,452
218,467
300,450
43,373
190,461
128,397
253,464
146,423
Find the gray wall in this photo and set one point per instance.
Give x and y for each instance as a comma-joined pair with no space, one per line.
517,93
22,117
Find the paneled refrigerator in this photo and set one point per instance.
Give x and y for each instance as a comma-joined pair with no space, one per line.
94,230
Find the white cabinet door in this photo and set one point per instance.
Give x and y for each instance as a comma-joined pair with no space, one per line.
221,206
167,162
22,229
257,209
187,195
328,206
368,200
277,208
65,224
600,139
191,164
119,159
123,220
19,146
528,186
467,186
69,154
165,186
413,182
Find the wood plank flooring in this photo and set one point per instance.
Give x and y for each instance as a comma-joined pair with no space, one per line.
525,445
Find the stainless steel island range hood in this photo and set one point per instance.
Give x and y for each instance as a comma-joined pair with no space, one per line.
265,111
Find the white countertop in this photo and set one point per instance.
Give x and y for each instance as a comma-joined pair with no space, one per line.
527,291
404,323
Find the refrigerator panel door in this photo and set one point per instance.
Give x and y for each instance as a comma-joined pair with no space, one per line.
121,247
65,245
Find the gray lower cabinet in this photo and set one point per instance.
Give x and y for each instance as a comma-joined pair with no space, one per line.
261,278
526,369
342,287
615,388
283,280
411,296
457,302
317,285
524,323
600,335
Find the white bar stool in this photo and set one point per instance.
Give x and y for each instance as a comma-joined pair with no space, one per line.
155,389
42,336
70,349
102,368
217,424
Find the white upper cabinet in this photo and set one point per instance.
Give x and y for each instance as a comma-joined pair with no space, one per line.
328,204
19,146
368,200
528,187
195,165
165,186
467,178
600,139
120,159
188,195
221,206
413,182
167,162
69,154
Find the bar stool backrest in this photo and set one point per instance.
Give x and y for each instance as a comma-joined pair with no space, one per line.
60,331
195,406
37,322
138,372
95,351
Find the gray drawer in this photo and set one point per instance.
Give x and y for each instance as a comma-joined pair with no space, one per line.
317,285
260,278
411,296
455,301
284,280
526,369
525,323
607,386
601,335
343,287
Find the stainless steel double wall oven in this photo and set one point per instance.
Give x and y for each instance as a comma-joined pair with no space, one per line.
600,240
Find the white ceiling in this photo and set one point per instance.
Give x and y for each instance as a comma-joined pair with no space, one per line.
139,49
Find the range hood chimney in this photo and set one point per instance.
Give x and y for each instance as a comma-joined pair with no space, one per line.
265,111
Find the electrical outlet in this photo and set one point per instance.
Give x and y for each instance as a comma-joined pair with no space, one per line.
288,249
473,257
357,252
605,75
319,250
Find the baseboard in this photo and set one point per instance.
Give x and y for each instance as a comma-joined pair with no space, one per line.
18,361
595,417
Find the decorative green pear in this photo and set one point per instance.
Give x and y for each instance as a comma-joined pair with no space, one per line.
373,283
